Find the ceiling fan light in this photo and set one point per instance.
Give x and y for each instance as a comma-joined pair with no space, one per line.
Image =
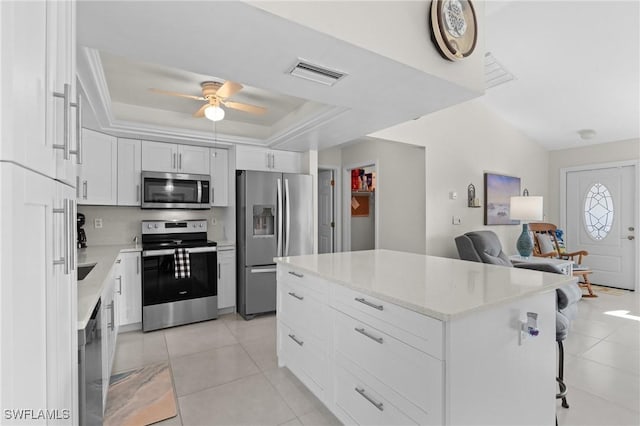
214,113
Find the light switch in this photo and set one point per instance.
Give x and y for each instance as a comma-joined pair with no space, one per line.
456,220
453,195
97,223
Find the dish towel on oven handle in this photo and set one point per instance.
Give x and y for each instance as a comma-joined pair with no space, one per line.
182,264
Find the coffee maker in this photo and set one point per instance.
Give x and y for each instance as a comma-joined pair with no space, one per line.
82,237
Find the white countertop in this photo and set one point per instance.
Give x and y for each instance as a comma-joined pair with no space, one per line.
90,289
438,287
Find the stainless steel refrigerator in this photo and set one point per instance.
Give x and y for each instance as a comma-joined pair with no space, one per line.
274,218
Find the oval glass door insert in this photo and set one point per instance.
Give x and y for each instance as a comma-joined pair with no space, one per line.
598,211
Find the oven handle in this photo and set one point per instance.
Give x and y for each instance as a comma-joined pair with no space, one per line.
192,250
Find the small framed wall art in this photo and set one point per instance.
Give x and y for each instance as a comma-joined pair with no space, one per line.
498,189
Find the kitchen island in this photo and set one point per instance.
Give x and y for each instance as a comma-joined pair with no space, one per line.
385,337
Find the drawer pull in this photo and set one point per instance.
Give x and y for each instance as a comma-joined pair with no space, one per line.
293,337
378,405
370,336
366,302
295,274
296,296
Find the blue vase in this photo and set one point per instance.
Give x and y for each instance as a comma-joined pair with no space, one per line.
524,243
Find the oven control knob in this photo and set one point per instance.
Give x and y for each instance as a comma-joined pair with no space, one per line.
194,225
155,226
149,226
201,225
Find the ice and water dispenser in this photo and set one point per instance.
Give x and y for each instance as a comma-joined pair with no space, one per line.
263,221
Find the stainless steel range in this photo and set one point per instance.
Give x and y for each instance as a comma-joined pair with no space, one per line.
171,296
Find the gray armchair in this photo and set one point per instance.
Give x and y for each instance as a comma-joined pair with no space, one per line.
485,247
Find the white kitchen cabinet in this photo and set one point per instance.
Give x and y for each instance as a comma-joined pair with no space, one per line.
268,160
38,324
109,326
129,289
219,177
372,361
226,277
167,157
129,168
38,62
98,177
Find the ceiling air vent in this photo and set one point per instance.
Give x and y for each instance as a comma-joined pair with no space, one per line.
494,73
309,71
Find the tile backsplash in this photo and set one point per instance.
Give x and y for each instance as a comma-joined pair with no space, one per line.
121,224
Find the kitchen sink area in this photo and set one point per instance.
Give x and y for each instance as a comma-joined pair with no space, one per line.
83,270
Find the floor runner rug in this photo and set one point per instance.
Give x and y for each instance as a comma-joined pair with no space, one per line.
141,397
609,290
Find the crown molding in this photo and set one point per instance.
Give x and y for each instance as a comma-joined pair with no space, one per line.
94,85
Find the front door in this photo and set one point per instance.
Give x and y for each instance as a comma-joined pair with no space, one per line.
600,218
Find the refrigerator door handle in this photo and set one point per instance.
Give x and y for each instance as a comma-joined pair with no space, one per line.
287,231
279,217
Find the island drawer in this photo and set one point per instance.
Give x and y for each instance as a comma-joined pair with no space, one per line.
413,374
298,277
299,305
417,330
363,404
304,355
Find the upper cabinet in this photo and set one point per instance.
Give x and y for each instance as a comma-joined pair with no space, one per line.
129,168
98,175
219,177
40,110
167,157
268,160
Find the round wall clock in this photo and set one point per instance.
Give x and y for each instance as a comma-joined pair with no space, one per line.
454,28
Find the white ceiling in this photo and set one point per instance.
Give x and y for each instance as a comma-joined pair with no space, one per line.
576,65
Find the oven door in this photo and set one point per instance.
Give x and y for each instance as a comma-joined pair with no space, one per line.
175,191
159,284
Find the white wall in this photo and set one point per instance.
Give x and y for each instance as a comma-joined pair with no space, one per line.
400,190
363,229
121,224
592,154
463,142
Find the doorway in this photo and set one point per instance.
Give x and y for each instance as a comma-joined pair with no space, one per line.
361,209
600,210
326,211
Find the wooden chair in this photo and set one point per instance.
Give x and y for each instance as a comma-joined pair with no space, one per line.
547,231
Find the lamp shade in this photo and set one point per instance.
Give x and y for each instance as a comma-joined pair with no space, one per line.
526,208
214,113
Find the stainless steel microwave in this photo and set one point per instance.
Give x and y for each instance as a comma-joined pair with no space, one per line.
175,191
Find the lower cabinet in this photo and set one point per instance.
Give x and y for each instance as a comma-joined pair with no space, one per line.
109,329
129,289
226,277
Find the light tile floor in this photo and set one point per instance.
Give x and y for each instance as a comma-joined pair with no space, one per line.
225,371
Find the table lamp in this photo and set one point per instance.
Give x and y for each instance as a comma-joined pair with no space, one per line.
525,208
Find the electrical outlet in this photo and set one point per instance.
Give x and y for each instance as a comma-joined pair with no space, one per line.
456,220
97,223
213,220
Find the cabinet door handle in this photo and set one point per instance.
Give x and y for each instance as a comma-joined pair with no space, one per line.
370,336
378,405
65,147
112,325
77,186
137,193
273,161
173,164
85,190
180,161
78,152
295,274
267,159
295,339
119,284
213,195
138,265
65,259
366,302
292,294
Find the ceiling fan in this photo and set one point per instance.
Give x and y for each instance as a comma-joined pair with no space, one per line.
216,94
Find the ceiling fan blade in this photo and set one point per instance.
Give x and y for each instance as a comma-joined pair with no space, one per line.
228,89
200,113
245,107
181,95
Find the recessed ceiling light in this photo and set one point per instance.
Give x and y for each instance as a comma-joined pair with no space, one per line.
586,134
